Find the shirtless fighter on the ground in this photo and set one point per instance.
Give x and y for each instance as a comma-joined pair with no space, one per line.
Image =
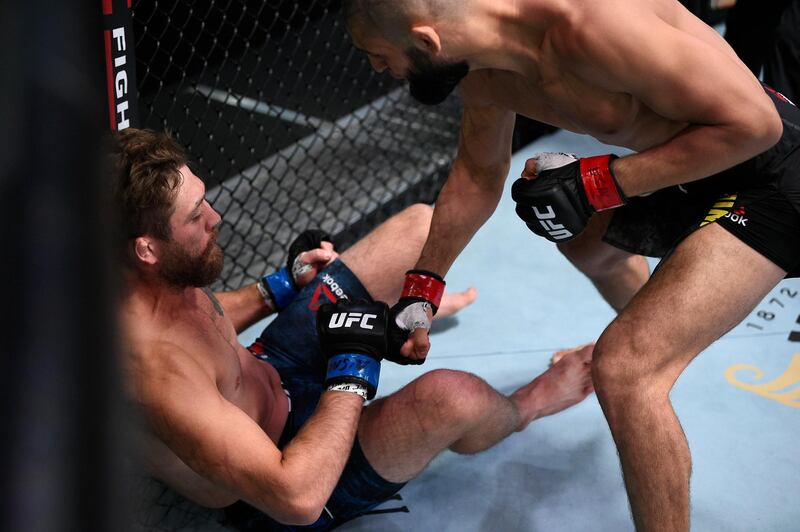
282,425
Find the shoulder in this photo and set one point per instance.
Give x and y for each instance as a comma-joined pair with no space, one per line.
589,30
153,367
612,48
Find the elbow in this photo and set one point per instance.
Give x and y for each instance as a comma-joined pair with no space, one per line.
293,508
773,130
303,513
765,127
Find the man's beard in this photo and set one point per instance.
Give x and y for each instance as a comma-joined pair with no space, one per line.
181,270
431,83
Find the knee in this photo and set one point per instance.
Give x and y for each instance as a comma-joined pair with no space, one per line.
419,209
450,397
620,365
416,220
591,256
420,213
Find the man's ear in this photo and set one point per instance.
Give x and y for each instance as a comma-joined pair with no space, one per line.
145,250
426,38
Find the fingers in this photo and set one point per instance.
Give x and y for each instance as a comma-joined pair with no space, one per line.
417,345
327,246
407,349
421,343
308,264
529,172
317,256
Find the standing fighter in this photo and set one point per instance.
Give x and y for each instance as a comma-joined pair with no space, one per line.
712,145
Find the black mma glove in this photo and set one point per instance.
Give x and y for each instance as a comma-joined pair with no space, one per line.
566,191
305,241
280,288
353,337
422,290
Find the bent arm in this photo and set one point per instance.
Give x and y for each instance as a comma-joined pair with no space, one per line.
244,306
474,186
224,445
683,78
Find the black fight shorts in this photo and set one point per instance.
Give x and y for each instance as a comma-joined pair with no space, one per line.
757,201
291,345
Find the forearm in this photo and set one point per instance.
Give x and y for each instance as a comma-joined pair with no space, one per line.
244,306
315,458
463,206
695,153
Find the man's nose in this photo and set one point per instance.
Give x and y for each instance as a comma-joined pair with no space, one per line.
215,219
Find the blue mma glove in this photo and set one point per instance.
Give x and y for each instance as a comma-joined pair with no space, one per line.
353,338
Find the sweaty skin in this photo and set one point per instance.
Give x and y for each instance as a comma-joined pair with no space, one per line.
645,75
200,337
648,76
214,413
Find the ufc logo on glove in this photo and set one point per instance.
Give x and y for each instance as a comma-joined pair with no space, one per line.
347,319
558,193
555,230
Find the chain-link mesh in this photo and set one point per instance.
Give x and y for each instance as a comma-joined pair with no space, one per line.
157,508
286,122
289,128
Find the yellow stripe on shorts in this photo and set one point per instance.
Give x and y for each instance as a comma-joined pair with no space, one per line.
720,209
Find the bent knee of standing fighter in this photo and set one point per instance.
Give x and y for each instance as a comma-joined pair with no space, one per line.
589,253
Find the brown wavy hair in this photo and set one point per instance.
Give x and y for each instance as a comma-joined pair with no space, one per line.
146,171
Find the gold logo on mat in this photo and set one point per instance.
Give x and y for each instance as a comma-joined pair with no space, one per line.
720,209
778,390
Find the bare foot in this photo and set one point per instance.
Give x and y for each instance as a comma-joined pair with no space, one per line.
564,384
452,302
558,355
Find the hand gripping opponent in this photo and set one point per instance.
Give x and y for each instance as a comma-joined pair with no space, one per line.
353,337
564,192
280,288
419,301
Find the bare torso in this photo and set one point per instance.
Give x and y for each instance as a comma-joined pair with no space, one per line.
553,89
204,333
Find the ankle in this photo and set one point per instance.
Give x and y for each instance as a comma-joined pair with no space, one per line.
526,403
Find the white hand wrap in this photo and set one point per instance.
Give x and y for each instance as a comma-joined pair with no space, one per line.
550,160
299,268
414,316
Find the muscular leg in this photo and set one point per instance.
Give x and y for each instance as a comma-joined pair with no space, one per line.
381,258
616,274
707,286
445,409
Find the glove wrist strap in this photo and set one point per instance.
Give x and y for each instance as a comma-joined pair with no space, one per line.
425,285
354,368
280,288
599,184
